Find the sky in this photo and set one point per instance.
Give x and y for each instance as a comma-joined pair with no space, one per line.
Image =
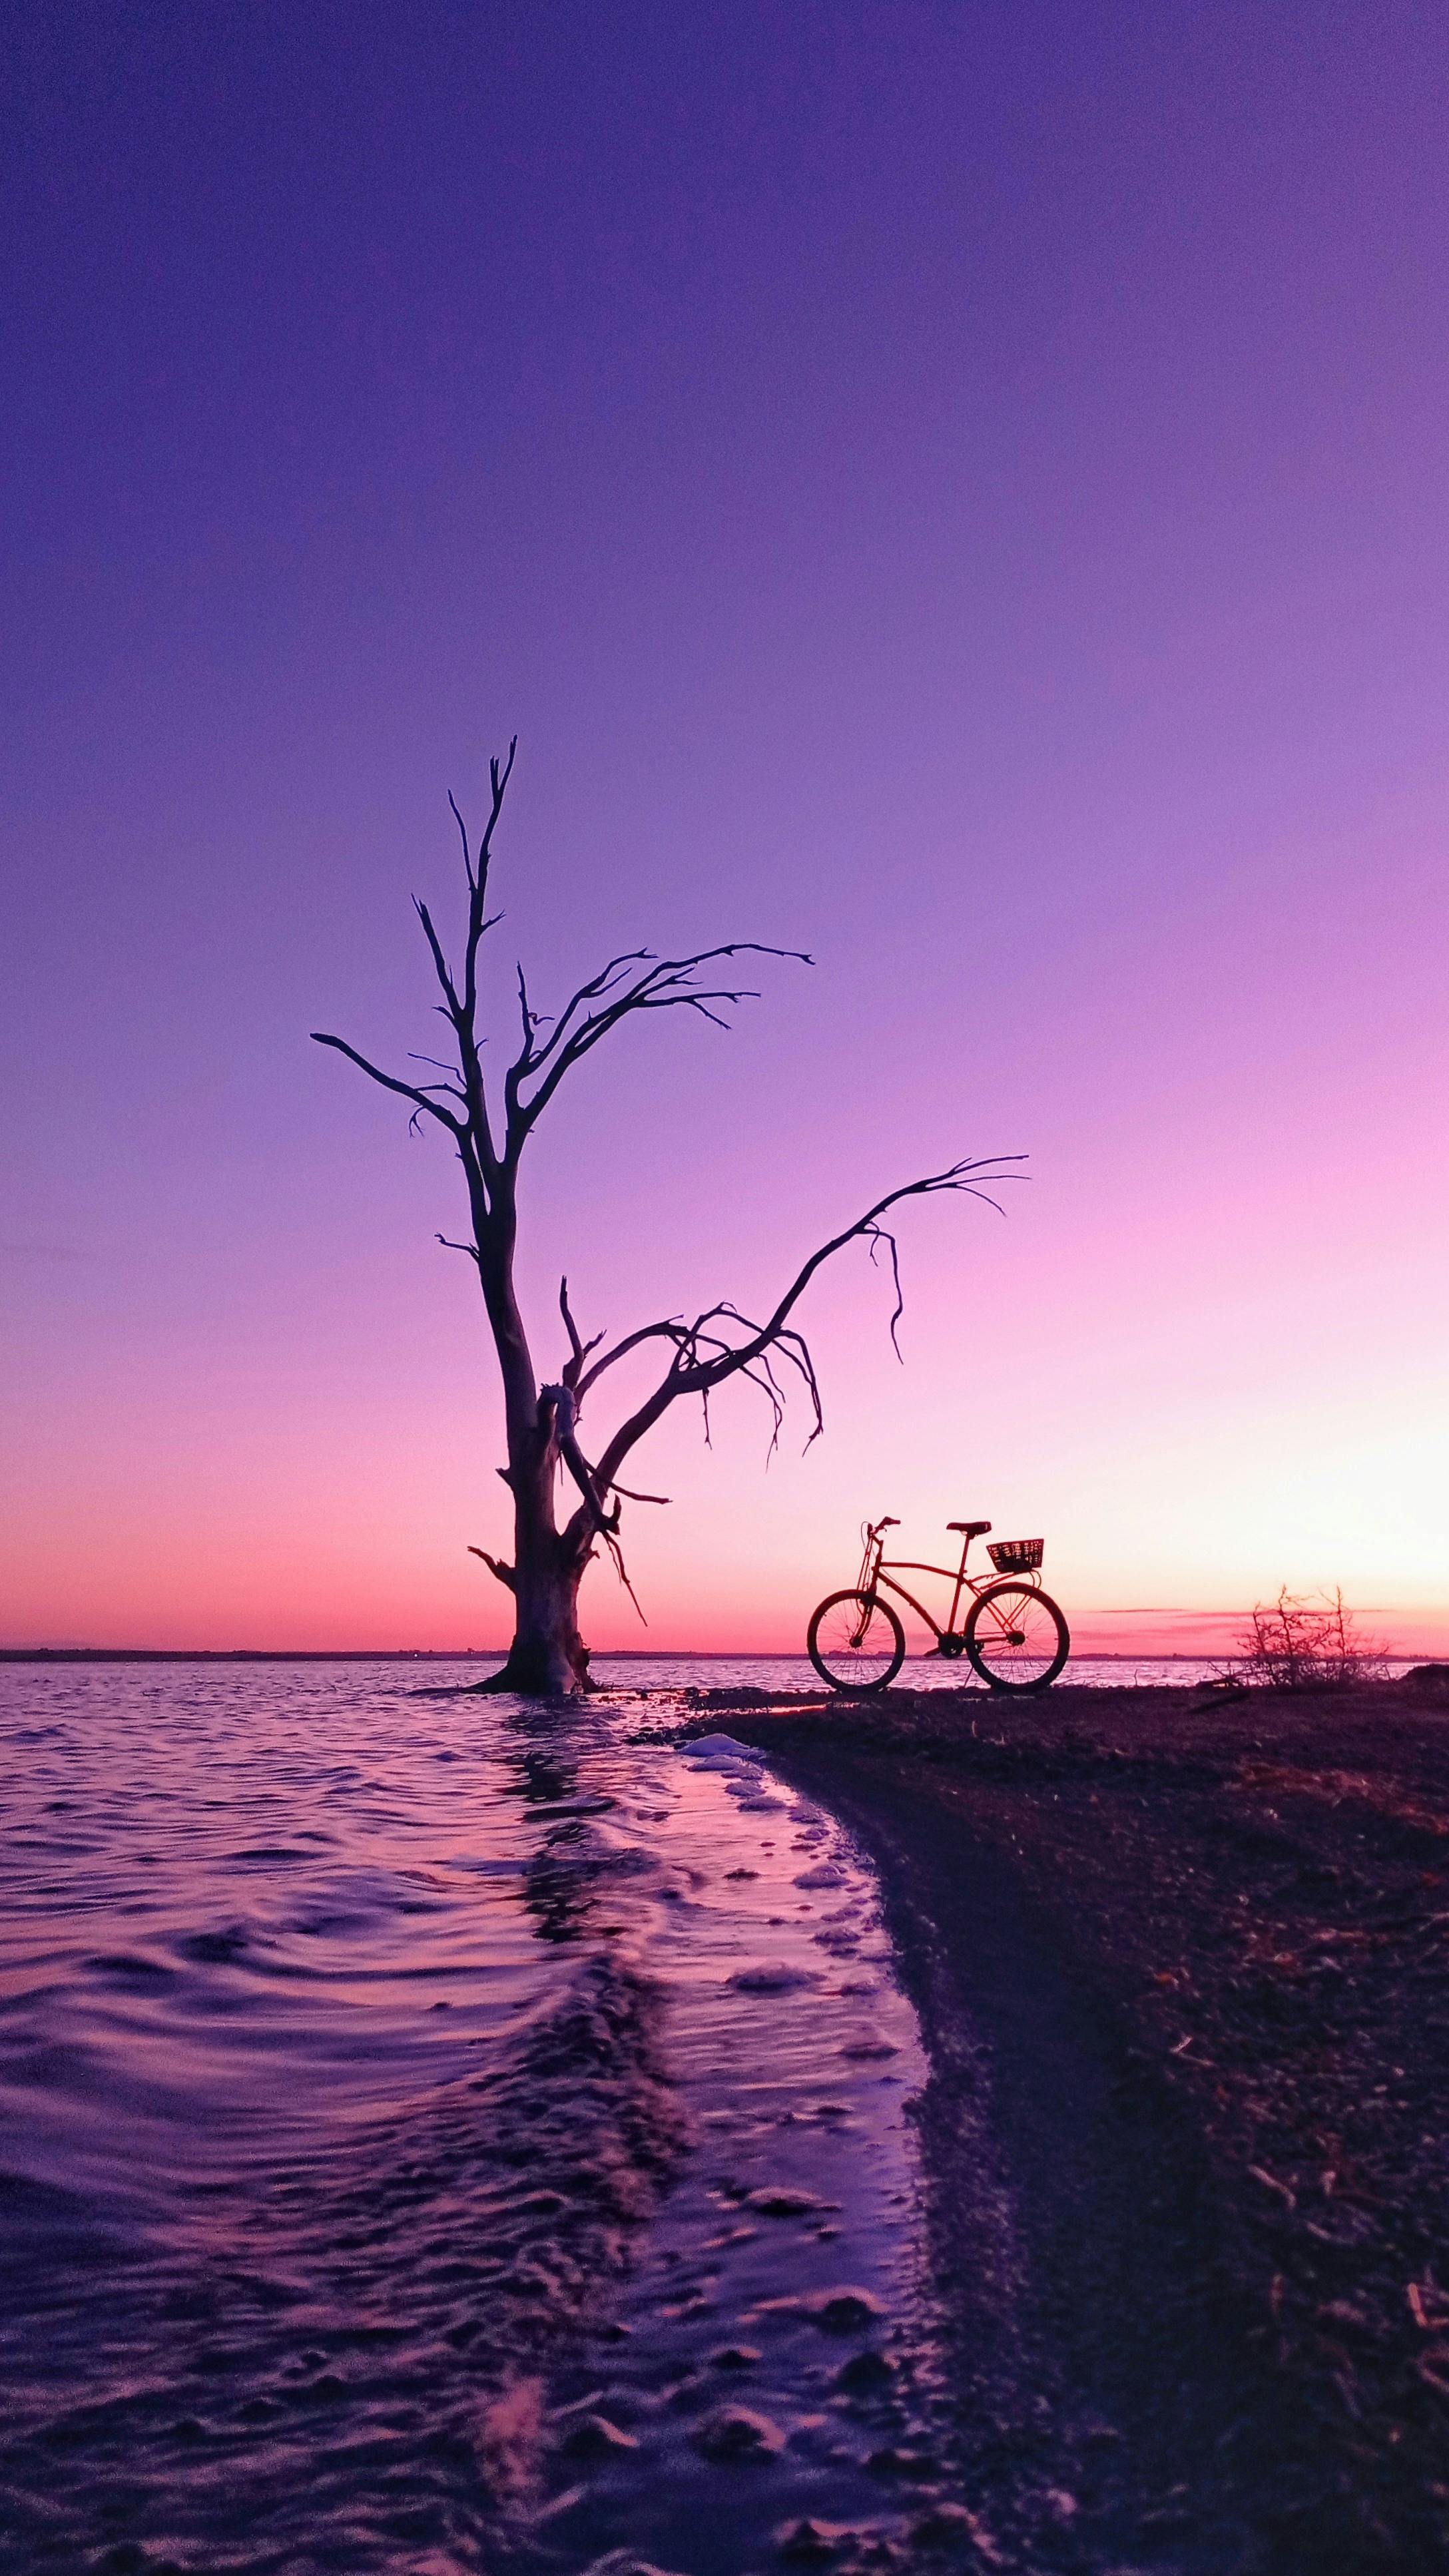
956,488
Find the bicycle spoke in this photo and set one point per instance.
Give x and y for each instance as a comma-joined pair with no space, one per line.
856,1642
1017,1638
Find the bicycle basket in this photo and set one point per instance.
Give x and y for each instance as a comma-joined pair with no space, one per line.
1016,1555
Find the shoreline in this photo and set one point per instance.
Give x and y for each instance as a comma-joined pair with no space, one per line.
1179,1962
497,1654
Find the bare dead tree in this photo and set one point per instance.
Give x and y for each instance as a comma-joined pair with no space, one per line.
548,1657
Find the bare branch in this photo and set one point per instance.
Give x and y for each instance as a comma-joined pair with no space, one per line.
454,1010
471,1128
579,1536
579,1350
877,1235
570,1327
672,1329
562,1400
596,987
762,1378
462,1009
467,856
964,1178
697,1375
389,1082
498,778
504,1573
622,1572
471,1249
665,985
524,1060
449,1090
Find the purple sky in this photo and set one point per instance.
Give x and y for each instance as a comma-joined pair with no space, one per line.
956,488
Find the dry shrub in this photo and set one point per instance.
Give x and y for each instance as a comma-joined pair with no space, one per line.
1300,1643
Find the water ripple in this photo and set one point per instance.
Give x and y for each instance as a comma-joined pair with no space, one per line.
442,2135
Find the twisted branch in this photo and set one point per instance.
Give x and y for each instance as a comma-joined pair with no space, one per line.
703,1360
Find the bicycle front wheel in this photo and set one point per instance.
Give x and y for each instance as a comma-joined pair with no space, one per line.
1016,1637
856,1642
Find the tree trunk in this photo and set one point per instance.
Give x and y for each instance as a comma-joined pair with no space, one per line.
548,1658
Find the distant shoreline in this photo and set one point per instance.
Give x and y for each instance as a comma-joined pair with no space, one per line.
452,1655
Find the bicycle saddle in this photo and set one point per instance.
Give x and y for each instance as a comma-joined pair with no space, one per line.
970,1529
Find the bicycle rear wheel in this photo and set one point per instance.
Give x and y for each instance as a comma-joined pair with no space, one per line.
1016,1637
856,1642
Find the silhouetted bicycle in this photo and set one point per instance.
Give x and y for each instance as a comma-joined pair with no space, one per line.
1014,1635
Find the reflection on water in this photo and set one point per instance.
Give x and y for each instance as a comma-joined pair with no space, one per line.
441,2135
931,1672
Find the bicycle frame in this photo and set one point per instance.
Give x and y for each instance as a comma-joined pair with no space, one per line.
877,1570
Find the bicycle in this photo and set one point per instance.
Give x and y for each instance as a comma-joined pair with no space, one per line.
1014,1635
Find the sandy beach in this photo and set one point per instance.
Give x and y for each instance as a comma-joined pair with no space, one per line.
1190,1951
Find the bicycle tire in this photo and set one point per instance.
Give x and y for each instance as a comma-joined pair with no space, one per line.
1021,1653
847,1666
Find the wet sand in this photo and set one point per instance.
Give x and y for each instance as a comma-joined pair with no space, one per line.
1180,1964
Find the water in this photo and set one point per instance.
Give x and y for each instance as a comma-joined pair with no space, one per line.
444,2136
787,1673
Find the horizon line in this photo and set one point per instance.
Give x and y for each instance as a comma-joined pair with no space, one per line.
465,1654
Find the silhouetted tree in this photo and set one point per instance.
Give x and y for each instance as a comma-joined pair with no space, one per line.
548,1657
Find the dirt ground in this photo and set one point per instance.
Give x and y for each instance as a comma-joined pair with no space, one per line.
1190,1952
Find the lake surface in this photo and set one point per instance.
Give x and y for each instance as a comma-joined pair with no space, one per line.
447,2136
443,2136
676,1673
